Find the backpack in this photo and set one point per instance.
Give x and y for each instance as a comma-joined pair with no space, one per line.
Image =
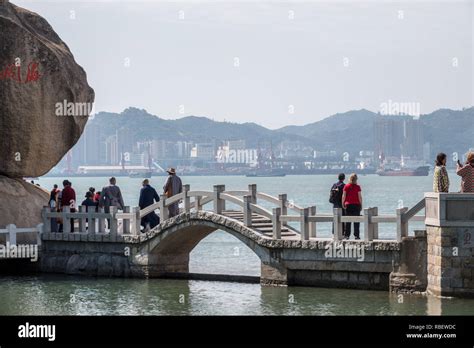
335,195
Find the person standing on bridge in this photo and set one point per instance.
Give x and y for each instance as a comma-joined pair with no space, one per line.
440,177
148,196
335,196
466,172
352,202
173,186
68,199
111,196
54,206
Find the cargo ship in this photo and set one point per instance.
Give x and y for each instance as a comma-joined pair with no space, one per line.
419,171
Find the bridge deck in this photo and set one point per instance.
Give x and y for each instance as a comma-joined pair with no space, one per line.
262,224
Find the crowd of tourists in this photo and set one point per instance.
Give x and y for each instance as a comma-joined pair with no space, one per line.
111,196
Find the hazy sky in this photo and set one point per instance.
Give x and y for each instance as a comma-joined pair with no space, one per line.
274,63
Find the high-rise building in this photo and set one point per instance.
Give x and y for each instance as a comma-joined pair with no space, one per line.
125,140
158,149
112,156
92,145
397,136
183,149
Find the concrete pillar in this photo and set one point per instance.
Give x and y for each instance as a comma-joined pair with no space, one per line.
247,211
450,233
283,205
187,199
337,224
276,223
219,204
253,193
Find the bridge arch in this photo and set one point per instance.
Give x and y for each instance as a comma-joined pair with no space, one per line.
167,247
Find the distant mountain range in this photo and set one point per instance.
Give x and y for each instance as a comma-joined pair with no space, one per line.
447,130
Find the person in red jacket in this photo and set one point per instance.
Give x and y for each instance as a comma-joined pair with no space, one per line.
352,202
68,199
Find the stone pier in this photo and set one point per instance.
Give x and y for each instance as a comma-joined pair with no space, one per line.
450,233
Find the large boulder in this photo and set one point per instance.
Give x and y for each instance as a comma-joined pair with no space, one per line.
38,77
21,203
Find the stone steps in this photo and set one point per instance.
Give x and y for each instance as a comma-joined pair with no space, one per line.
260,224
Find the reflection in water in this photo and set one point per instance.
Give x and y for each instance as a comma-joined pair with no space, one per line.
64,295
433,306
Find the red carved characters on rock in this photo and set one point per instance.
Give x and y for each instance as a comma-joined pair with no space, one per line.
13,72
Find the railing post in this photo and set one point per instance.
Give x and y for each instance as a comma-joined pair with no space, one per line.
312,225
163,208
219,204
253,193
66,220
135,222
368,230
337,224
276,223
283,206
40,228
11,234
186,199
197,203
101,223
82,221
46,221
375,226
402,226
247,211
304,225
91,221
113,230
126,222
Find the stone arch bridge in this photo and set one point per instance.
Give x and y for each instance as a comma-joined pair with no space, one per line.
283,235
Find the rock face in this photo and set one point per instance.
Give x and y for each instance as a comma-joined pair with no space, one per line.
45,99
20,203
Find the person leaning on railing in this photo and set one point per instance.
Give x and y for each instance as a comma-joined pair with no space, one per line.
440,177
466,172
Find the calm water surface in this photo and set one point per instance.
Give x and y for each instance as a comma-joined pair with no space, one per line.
223,254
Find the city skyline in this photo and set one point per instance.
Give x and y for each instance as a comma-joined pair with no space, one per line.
391,137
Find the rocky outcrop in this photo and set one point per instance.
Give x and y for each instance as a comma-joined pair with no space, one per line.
20,203
45,99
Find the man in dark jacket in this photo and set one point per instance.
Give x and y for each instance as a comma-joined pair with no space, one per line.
335,196
148,196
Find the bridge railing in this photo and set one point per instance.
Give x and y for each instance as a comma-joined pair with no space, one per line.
279,214
92,220
283,213
10,233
